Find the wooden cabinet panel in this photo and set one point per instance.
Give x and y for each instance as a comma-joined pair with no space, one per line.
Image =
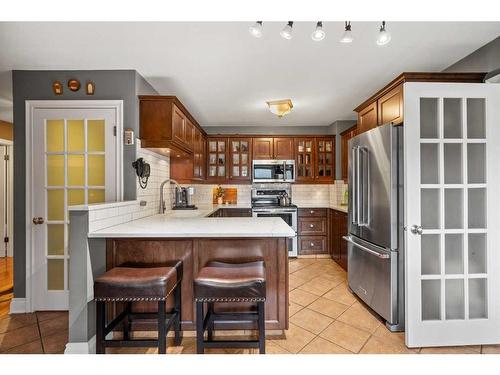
189,134
325,159
367,118
304,159
178,125
262,148
345,137
313,226
240,159
342,231
318,212
283,148
309,245
390,107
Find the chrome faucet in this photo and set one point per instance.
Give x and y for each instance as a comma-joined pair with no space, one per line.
163,208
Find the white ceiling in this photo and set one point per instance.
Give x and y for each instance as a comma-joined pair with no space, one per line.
224,76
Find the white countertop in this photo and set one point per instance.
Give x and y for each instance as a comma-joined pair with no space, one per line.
193,224
337,207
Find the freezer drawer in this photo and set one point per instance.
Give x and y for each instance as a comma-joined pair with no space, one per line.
372,275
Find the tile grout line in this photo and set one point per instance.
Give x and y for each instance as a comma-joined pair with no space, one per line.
39,333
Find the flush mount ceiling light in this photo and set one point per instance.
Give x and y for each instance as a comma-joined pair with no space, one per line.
318,34
384,36
287,30
280,107
256,29
347,37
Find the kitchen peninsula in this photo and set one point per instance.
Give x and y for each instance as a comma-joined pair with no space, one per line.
190,236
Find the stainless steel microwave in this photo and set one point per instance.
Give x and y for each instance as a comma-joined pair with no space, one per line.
273,170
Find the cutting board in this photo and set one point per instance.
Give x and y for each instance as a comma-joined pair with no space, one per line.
230,195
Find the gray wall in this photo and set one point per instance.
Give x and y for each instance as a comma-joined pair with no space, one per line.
37,85
484,59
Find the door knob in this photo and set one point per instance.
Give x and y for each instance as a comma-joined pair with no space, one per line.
38,220
416,229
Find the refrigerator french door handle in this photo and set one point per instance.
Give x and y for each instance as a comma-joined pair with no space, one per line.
359,193
364,219
364,248
354,187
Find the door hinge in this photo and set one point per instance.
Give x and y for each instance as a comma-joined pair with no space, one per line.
6,157
6,239
114,131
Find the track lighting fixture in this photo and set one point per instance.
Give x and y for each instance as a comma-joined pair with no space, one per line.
256,29
384,36
287,30
318,34
347,37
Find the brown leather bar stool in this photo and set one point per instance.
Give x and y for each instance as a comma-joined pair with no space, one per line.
135,283
228,282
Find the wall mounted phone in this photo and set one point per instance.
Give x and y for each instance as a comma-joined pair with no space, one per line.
143,171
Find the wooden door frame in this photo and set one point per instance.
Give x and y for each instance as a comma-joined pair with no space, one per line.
31,106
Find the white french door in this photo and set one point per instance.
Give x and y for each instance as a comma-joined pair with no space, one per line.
452,213
74,161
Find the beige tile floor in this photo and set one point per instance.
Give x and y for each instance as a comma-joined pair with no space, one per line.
325,318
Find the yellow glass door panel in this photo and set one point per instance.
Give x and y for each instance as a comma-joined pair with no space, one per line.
55,170
55,274
55,239
55,136
95,136
96,170
76,170
76,135
96,196
55,204
76,197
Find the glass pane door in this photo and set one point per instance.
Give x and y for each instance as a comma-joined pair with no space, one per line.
451,271
325,159
74,162
304,151
217,159
240,159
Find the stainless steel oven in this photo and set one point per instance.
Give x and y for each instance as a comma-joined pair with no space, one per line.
289,215
273,171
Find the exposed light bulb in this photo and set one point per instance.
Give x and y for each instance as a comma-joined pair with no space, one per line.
318,34
256,29
384,36
287,30
347,37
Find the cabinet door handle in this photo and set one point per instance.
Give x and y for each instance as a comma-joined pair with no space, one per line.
311,212
311,225
312,244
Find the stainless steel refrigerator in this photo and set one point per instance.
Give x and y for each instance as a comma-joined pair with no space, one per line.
375,239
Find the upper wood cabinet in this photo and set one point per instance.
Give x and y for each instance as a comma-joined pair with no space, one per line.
263,148
325,159
217,166
345,136
240,159
283,148
390,107
367,118
165,124
304,159
266,148
387,106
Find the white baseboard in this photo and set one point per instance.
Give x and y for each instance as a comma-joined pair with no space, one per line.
18,306
81,347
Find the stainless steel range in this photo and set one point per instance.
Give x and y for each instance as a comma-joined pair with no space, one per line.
266,199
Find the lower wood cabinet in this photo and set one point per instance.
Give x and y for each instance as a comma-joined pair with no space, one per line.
313,231
338,229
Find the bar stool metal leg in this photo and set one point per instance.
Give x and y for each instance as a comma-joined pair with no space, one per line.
178,312
162,328
100,327
262,327
200,349
126,321
210,306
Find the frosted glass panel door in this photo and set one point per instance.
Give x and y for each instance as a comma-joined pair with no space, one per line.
452,214
74,163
